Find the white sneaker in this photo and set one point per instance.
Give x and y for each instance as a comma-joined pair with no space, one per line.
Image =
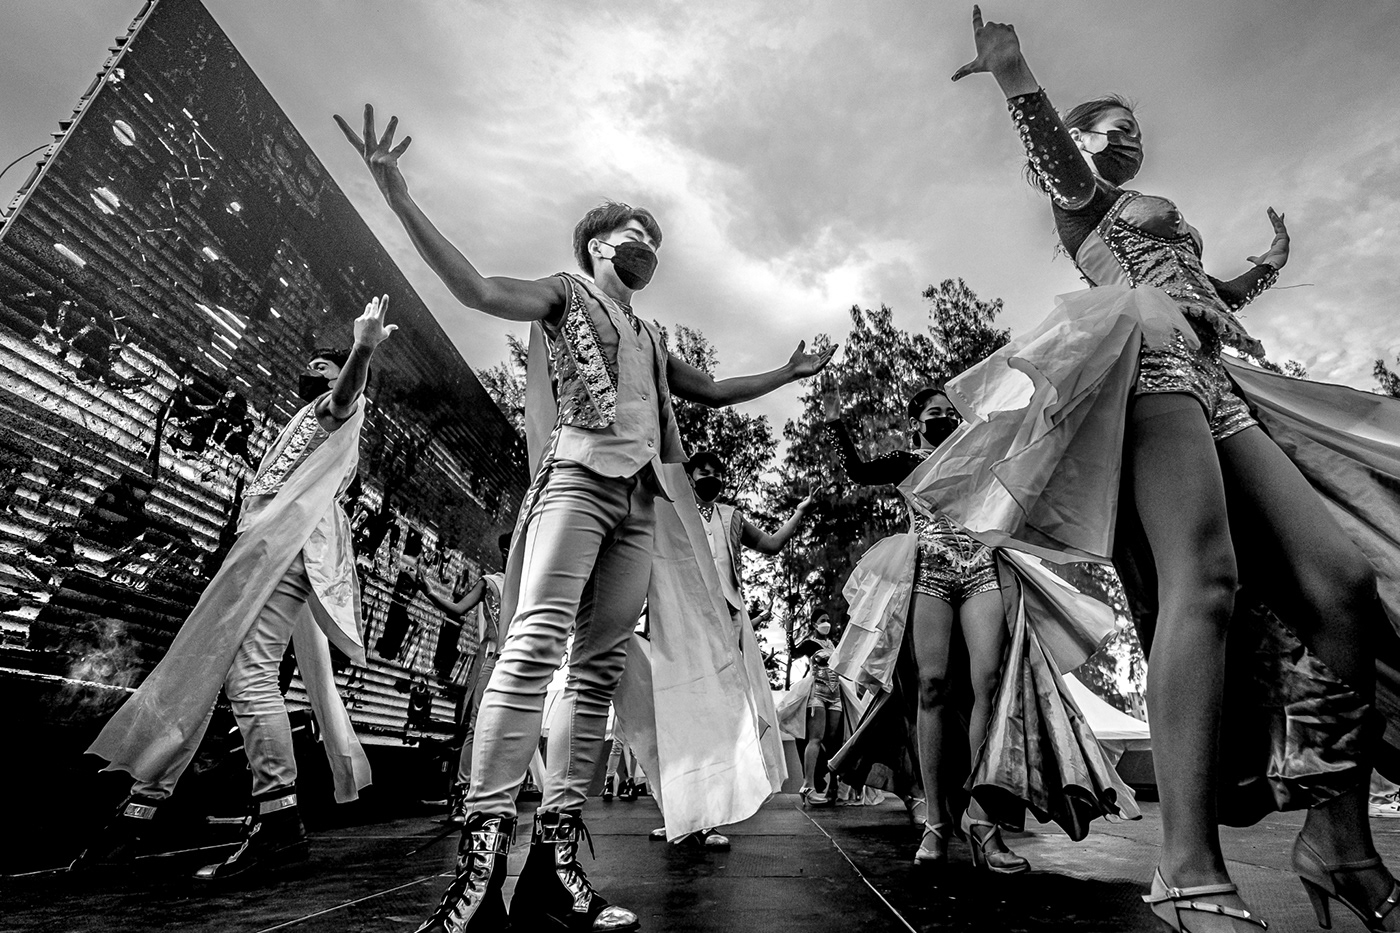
1387,810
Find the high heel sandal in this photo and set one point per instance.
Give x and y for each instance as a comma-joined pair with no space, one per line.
1167,903
1320,881
917,808
998,863
937,853
813,798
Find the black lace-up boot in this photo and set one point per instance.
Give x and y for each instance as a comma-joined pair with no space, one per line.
117,843
273,835
473,903
553,892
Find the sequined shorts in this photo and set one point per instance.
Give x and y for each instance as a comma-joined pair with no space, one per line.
826,693
1199,374
953,567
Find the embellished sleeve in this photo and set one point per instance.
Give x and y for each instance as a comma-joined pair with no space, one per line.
887,470
1243,289
1053,155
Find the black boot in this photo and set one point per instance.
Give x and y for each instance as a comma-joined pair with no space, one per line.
473,903
456,805
273,836
117,843
553,893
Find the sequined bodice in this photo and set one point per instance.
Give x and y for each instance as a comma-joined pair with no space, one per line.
1144,241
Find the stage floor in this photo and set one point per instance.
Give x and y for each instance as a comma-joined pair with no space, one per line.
842,869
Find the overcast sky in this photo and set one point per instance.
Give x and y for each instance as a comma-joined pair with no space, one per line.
803,157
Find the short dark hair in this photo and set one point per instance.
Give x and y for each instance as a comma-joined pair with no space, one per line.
701,458
336,355
1081,117
339,357
503,542
605,218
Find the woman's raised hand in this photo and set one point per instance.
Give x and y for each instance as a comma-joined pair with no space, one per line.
1277,255
831,405
998,49
380,153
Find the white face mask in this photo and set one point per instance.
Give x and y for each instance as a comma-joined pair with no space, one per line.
823,628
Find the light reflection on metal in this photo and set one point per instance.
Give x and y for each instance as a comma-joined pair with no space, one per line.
141,379
124,133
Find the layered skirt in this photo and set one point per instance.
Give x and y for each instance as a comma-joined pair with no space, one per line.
1037,468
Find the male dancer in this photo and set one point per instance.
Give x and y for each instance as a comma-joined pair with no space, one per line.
582,555
290,575
728,530
485,598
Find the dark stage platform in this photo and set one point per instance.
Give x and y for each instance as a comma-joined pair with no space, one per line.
844,869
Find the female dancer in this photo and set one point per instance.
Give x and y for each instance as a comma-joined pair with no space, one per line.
955,583
825,710
1193,452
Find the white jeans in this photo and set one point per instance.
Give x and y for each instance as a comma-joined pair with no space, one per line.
251,687
587,567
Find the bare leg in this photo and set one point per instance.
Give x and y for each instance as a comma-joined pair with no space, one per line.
831,739
1180,498
1327,595
931,628
812,754
983,621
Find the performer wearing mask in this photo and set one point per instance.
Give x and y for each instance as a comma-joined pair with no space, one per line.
728,530
819,709
606,452
908,594
485,598
1210,500
290,577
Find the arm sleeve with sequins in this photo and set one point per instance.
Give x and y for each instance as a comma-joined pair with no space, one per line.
887,470
1243,289
1053,155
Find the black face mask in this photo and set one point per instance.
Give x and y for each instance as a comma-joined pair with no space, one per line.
936,430
311,386
634,262
1119,161
708,488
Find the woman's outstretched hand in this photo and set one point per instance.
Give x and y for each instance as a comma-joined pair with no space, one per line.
998,49
380,153
1277,255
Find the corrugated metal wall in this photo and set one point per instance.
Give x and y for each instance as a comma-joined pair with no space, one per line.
163,276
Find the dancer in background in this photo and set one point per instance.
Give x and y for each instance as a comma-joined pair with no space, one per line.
606,452
819,709
1209,500
485,597
728,530
290,577
909,595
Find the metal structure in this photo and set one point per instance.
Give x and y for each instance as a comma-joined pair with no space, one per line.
164,272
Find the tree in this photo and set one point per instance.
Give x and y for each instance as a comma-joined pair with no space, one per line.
744,442
881,367
505,383
1389,379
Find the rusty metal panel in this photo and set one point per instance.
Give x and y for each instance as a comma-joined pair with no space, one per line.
163,275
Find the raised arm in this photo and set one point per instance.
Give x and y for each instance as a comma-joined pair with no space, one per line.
1243,289
755,538
498,296
333,409
885,470
696,385
1049,145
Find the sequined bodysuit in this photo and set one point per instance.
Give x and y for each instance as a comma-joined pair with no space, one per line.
953,566
1120,237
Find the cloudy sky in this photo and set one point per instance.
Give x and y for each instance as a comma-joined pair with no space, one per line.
803,157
